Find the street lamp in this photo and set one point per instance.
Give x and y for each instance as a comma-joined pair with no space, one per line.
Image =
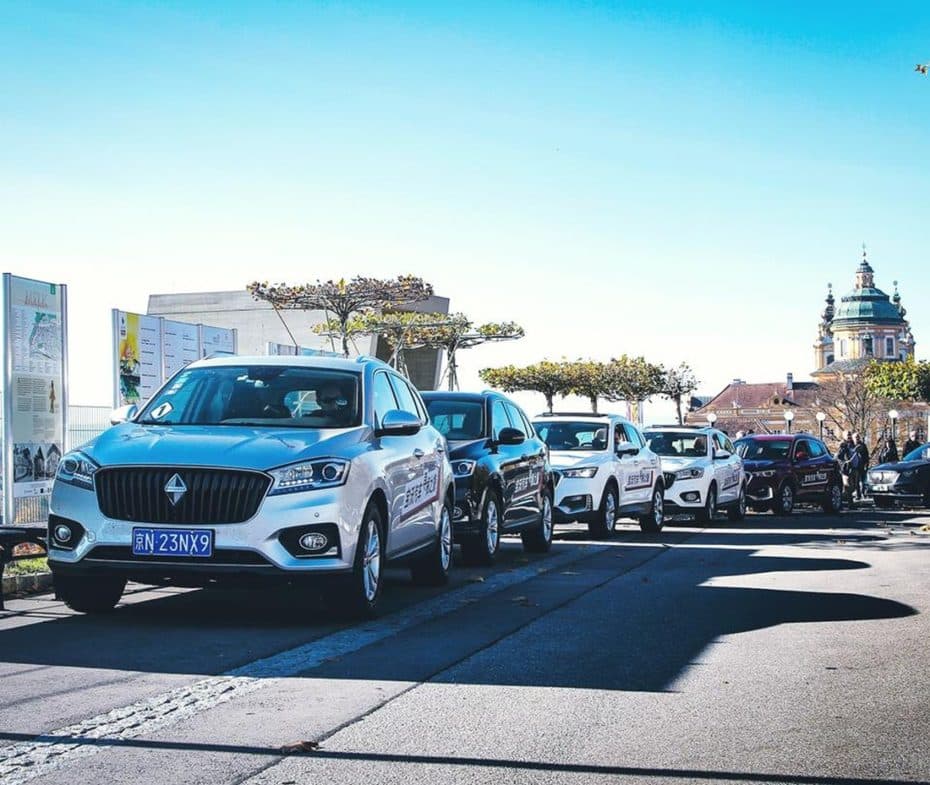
893,416
789,416
711,418
820,418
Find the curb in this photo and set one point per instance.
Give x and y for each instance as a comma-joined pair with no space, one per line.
26,584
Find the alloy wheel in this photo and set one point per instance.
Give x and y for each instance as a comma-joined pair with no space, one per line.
610,512
658,509
445,538
371,562
547,518
492,533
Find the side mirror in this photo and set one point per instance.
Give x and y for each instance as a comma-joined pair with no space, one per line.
123,414
627,448
399,423
511,436
721,455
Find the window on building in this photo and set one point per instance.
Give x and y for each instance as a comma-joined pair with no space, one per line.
867,346
843,349
889,346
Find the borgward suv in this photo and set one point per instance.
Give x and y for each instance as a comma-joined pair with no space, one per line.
248,468
603,469
502,479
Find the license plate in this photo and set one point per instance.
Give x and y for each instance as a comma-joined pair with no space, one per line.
172,542
881,488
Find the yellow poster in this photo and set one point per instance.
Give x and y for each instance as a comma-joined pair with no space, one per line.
129,360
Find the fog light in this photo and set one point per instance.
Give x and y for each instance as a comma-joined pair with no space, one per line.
457,512
313,541
63,533
691,496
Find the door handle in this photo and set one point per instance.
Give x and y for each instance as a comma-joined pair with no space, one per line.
418,453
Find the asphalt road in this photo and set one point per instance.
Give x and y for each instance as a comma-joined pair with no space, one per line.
783,650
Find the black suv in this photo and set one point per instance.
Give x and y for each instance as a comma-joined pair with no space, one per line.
503,484
782,469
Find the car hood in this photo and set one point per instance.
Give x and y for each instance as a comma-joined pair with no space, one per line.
235,446
898,466
673,463
758,466
566,459
472,448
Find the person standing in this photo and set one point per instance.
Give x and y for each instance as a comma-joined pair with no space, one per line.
911,444
889,452
863,452
848,458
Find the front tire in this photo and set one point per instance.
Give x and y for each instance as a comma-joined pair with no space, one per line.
833,501
432,569
709,511
360,595
784,500
539,538
654,520
90,594
737,512
605,521
483,548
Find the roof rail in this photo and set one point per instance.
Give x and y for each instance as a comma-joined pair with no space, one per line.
573,414
686,426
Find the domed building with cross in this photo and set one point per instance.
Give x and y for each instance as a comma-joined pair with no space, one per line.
866,325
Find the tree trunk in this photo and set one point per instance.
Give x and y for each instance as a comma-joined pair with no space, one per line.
453,376
345,338
678,409
593,399
549,402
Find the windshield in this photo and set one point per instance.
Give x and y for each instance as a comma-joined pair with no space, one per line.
763,449
457,420
922,453
572,435
276,396
677,444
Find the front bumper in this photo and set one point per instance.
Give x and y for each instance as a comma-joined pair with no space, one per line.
900,491
575,500
687,495
258,547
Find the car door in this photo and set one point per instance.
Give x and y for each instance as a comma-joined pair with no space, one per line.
509,462
399,465
526,501
819,470
621,465
639,474
808,480
726,468
423,487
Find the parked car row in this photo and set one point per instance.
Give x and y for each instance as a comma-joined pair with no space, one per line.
250,470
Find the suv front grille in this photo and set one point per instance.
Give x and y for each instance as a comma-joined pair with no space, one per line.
138,494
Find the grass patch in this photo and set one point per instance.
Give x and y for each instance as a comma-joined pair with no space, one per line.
26,566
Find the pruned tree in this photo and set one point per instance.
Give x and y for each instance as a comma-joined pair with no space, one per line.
676,384
589,379
403,330
632,379
454,332
343,299
546,377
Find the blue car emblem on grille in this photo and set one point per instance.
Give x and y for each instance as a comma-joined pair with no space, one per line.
175,489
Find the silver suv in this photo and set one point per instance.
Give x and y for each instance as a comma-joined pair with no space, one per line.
243,469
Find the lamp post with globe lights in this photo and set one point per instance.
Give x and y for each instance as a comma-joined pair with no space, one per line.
893,416
789,416
711,418
820,418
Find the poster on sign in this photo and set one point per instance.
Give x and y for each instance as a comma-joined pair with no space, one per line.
181,345
139,368
217,340
34,392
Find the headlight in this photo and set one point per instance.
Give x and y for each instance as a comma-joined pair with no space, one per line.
463,468
689,474
309,476
77,469
586,472
907,474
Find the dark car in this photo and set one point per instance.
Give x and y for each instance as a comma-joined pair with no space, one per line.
503,484
785,469
906,481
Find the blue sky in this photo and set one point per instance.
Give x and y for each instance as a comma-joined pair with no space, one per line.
678,180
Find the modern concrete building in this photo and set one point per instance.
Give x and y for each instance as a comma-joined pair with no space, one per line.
259,325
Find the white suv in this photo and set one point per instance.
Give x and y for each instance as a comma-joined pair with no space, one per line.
703,472
248,469
602,469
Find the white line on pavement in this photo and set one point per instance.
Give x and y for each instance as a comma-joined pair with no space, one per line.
22,762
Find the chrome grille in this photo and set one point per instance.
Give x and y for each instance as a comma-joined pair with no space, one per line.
137,494
887,478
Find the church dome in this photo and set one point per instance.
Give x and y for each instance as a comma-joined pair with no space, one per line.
866,302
